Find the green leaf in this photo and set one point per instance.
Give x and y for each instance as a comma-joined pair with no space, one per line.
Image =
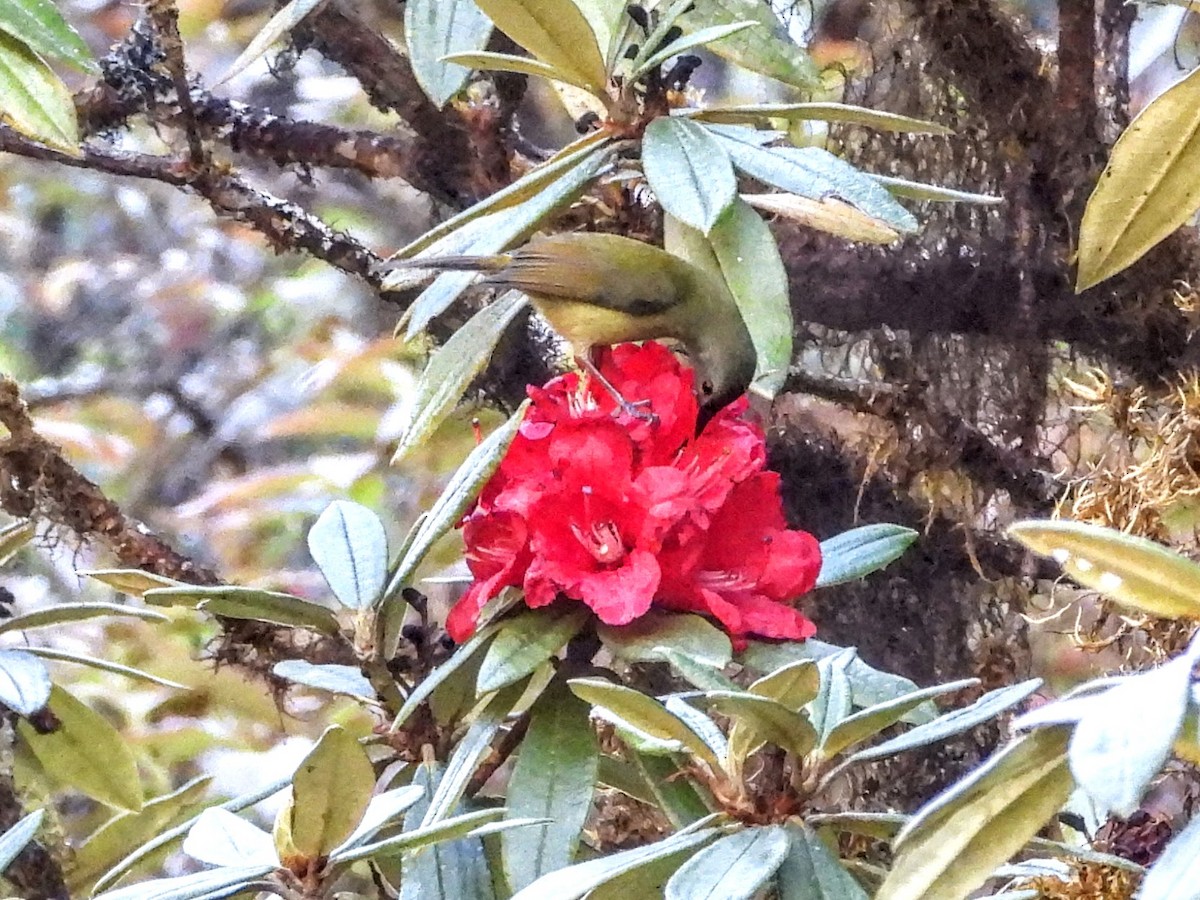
526,641
644,639
768,50
469,753
14,537
438,676
452,369
794,685
466,483
672,790
811,872
1175,875
528,185
986,707
834,698
133,582
347,680
434,29
145,851
815,173
698,672
467,825
879,826
689,172
645,713
75,612
103,664
38,25
1149,187
1131,570
573,882
955,842
332,788
13,841
698,38
487,61
626,778
753,269
860,551
769,720
554,31
700,723
868,685
112,840
732,868
85,752
220,838
607,18
349,545
553,779
247,603
381,812
824,112
916,190
278,25
1115,762
213,884
649,880
450,869
860,726
24,682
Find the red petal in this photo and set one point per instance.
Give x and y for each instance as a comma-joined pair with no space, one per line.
620,595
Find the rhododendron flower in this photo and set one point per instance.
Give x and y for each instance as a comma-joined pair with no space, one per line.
593,505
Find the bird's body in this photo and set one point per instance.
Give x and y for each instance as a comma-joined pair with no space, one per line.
603,289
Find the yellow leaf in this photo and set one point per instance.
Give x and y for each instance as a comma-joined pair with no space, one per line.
1148,189
331,790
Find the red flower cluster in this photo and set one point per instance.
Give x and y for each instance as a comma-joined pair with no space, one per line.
624,514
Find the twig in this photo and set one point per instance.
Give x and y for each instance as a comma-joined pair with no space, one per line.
166,18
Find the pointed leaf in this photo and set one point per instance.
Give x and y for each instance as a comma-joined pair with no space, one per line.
767,50
349,545
133,582
916,190
526,641
13,841
213,884
459,494
382,811
1176,874
347,680
673,790
220,838
769,720
34,100
432,30
331,788
699,38
247,603
24,682
811,872
278,25
689,171
697,672
643,639
39,26
1149,187
704,727
553,779
835,697
824,112
733,868
105,665
14,537
438,676
1131,570
453,367
860,551
487,61
575,881
753,269
643,712
467,825
75,612
986,707
860,726
86,752
554,31
955,842
828,214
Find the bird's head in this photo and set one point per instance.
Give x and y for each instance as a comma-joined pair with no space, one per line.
724,372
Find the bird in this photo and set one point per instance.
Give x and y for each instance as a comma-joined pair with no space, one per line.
597,289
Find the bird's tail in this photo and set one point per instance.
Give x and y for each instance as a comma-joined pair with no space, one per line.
413,273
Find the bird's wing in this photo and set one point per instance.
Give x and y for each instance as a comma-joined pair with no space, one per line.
584,279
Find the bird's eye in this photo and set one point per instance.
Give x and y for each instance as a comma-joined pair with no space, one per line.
707,388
